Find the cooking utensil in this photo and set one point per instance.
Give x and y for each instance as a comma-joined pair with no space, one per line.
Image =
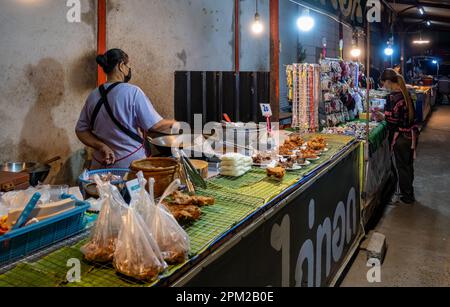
165,144
39,165
227,118
184,173
38,171
192,172
27,211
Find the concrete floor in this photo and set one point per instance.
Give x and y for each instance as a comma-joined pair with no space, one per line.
418,236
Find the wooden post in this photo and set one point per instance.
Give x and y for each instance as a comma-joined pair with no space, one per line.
236,37
101,38
275,59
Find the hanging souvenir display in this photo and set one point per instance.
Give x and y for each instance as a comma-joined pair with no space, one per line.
306,96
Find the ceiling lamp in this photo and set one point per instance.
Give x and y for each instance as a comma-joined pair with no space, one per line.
257,26
305,22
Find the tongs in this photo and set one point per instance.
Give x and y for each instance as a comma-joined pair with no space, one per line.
189,173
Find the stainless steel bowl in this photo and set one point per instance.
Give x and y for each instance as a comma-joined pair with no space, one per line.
16,167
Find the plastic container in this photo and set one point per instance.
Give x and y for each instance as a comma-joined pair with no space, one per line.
25,241
88,187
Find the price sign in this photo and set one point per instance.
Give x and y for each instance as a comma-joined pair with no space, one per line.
266,110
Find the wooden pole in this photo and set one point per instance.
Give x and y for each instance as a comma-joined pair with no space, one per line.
369,84
236,37
275,59
101,38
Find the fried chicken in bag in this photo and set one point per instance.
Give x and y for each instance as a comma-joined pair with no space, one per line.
137,254
104,236
171,238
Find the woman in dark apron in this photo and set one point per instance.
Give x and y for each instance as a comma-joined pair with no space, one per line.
117,116
403,132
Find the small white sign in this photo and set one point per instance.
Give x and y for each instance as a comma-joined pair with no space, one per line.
266,110
133,187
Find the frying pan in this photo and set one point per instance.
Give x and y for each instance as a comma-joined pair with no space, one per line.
38,171
165,144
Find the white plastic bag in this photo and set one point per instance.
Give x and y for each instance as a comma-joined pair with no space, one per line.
137,254
171,238
103,241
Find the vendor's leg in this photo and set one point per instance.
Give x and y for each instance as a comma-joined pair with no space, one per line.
404,158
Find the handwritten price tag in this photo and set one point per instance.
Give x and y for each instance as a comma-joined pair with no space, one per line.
266,110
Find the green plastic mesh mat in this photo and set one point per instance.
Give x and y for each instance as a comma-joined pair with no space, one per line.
257,184
51,270
235,200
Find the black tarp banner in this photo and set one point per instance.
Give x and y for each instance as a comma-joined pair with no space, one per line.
350,11
304,243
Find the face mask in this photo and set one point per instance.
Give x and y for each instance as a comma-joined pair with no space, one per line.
128,77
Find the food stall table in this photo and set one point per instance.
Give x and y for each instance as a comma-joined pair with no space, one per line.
290,224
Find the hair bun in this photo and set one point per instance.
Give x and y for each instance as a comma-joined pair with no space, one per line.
102,61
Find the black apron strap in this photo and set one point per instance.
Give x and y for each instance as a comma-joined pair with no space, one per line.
100,103
104,101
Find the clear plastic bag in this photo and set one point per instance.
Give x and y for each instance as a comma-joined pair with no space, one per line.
172,240
103,241
137,254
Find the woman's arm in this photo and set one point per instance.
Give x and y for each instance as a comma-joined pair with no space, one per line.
165,126
90,140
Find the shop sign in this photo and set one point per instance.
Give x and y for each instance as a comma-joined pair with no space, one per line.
303,244
351,11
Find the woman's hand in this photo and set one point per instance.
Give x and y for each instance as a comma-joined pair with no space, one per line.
379,117
108,156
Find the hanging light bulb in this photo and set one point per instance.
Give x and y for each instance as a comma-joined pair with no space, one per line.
355,52
388,51
305,22
257,26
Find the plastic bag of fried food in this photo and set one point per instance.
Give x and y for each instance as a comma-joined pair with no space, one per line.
102,244
172,240
137,254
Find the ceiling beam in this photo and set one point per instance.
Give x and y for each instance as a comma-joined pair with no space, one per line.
425,18
423,4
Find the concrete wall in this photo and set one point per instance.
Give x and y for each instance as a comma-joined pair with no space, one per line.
47,72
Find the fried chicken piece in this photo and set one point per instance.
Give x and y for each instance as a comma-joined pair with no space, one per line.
184,213
316,145
309,154
180,198
203,201
297,140
284,151
276,172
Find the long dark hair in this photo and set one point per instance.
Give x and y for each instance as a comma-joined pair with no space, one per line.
391,75
111,59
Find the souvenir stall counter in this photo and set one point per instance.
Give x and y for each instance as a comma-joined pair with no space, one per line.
255,220
424,98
